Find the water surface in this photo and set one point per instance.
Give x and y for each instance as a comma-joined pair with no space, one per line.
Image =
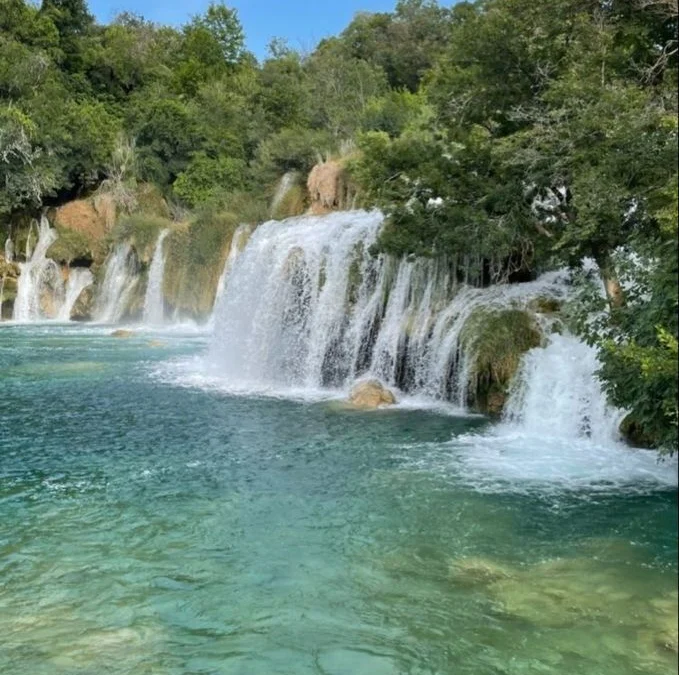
152,526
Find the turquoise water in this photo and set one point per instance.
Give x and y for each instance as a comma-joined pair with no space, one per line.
151,525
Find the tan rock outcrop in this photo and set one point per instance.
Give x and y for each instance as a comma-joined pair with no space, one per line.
327,187
370,394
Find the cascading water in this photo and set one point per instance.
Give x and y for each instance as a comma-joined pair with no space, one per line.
40,287
9,249
120,279
154,302
556,393
78,280
307,305
238,241
29,250
2,293
558,432
284,185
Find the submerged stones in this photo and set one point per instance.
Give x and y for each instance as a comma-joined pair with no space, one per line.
575,593
370,394
122,333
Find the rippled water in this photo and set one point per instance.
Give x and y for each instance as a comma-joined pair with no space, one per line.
151,526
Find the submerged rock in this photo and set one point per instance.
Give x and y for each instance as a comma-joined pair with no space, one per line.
473,571
371,394
82,309
122,333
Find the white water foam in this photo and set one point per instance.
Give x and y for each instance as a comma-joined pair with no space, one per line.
558,432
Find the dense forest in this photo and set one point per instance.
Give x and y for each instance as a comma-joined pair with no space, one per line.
519,135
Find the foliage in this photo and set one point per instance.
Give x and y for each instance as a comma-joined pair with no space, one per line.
496,341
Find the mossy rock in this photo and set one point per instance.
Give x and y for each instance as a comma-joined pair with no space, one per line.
495,341
634,434
294,203
82,309
8,297
545,305
71,246
150,201
142,231
196,252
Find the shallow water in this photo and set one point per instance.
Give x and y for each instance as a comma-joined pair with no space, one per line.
153,523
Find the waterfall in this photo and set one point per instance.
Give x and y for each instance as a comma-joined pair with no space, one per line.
2,293
556,393
154,302
40,286
238,240
120,279
307,305
79,279
29,250
284,185
9,249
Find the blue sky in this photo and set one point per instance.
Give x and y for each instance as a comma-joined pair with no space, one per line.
302,22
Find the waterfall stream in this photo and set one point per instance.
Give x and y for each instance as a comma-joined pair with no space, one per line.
120,279
78,280
307,305
154,303
40,287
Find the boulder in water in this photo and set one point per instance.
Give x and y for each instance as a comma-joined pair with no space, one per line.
122,333
82,309
370,394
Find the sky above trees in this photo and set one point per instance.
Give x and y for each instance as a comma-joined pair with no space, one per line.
302,22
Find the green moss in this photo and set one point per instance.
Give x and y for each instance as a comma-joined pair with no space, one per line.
196,252
294,203
142,231
70,246
496,341
150,201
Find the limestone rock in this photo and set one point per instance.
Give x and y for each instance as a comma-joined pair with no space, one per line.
81,215
122,333
328,187
370,394
82,309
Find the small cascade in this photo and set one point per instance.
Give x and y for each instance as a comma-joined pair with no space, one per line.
9,249
556,393
284,185
29,250
40,287
238,241
79,279
154,302
2,293
307,305
120,278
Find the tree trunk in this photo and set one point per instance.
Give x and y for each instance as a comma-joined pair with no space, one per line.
614,292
